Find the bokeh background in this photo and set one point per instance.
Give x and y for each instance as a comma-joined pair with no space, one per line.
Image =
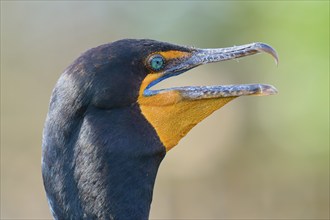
258,157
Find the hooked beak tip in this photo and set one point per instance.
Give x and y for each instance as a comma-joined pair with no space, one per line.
262,47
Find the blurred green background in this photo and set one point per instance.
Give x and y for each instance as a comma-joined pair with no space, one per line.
258,157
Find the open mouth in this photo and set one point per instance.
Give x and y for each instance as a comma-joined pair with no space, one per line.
196,57
174,111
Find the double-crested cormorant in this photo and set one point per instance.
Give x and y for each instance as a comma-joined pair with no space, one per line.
107,130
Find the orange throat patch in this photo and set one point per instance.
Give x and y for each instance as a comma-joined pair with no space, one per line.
173,116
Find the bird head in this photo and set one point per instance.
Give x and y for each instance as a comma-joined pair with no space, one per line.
123,73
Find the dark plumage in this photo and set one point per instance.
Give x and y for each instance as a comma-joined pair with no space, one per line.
101,145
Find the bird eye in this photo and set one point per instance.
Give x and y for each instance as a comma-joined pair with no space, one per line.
156,62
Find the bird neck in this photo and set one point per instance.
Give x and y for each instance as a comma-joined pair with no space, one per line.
106,169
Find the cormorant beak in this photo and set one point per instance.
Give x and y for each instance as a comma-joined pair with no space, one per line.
198,57
174,111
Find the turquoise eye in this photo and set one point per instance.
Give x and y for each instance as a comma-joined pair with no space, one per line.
156,62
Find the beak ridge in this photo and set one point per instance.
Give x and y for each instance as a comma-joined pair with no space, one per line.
204,56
